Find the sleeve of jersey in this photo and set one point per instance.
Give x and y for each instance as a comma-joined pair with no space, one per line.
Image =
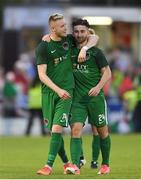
41,54
101,59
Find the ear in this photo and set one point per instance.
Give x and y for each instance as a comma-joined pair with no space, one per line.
52,26
53,29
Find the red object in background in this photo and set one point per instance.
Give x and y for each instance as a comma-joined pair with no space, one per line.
125,85
21,80
122,34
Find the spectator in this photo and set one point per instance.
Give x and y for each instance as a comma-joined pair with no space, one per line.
9,92
34,105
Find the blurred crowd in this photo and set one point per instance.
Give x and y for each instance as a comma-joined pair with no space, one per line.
20,92
123,94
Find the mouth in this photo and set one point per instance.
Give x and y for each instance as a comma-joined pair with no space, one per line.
79,38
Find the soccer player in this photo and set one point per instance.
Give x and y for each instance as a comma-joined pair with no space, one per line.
90,77
95,140
55,72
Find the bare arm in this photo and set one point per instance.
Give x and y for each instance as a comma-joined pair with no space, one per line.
92,41
106,76
48,82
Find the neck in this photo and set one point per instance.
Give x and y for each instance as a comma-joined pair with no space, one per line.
54,37
80,45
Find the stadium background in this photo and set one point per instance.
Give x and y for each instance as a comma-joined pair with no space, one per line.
24,22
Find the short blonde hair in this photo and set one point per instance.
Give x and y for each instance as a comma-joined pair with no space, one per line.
55,17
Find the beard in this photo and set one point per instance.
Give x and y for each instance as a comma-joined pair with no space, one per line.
81,39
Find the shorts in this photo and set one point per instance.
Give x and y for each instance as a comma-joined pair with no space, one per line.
95,110
55,110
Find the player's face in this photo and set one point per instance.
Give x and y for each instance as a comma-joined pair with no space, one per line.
59,28
80,33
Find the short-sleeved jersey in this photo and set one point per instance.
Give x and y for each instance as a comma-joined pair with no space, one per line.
57,56
88,73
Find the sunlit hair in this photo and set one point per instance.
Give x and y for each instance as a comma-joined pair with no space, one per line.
91,31
55,17
80,21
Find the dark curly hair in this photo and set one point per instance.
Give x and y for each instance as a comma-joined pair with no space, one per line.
80,21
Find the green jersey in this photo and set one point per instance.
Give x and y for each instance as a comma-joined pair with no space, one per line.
88,73
57,56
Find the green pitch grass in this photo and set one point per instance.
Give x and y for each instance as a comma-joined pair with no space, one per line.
21,157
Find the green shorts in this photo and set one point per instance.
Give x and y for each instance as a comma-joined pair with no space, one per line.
55,110
96,110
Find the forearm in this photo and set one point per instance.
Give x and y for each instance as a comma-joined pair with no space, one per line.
92,41
45,79
48,82
106,76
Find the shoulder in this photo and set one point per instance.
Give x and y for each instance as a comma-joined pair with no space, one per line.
70,37
97,50
42,46
71,40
